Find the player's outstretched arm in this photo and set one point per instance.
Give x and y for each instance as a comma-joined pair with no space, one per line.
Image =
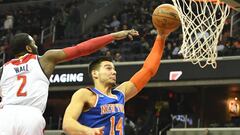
54,56
70,124
149,69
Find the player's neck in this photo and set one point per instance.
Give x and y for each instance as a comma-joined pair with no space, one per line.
20,54
104,89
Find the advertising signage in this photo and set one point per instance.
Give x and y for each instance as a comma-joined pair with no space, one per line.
170,71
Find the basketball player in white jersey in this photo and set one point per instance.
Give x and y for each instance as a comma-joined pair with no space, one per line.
24,80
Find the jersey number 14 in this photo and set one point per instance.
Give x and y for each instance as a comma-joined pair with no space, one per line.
119,127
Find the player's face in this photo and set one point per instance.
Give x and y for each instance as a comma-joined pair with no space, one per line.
33,46
107,73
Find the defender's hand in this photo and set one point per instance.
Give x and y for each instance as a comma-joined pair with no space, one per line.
124,34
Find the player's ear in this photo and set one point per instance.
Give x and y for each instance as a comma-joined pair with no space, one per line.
94,74
29,49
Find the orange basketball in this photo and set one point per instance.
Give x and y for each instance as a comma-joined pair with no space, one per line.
165,18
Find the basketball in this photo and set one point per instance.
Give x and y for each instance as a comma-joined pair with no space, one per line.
165,18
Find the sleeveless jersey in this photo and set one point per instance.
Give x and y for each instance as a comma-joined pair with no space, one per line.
23,82
107,112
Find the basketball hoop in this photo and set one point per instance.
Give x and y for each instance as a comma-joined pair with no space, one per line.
202,23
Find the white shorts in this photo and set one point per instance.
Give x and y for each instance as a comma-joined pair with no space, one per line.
21,120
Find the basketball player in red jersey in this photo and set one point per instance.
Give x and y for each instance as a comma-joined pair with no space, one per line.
24,80
100,110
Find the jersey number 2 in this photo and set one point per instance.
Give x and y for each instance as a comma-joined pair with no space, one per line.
24,80
119,127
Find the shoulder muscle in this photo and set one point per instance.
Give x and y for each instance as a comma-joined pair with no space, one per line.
75,108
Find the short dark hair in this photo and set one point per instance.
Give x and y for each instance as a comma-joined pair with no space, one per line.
95,64
19,42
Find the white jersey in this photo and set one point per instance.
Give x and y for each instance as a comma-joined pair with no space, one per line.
23,82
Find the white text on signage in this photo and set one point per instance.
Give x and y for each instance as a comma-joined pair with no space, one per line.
63,78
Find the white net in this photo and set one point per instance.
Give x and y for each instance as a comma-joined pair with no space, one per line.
202,23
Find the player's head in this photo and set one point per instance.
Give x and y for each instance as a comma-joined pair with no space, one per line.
103,71
23,43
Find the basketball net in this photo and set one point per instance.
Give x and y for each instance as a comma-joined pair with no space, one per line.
202,23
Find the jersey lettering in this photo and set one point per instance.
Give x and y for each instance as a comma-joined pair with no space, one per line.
21,68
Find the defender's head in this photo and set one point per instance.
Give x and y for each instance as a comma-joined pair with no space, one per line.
103,71
23,43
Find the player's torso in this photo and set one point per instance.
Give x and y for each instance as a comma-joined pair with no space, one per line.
108,112
24,83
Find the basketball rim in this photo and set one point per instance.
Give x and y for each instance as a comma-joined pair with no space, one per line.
234,4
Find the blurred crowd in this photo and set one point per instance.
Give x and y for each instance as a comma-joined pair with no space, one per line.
66,17
11,1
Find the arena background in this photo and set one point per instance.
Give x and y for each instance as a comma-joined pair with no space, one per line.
181,95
